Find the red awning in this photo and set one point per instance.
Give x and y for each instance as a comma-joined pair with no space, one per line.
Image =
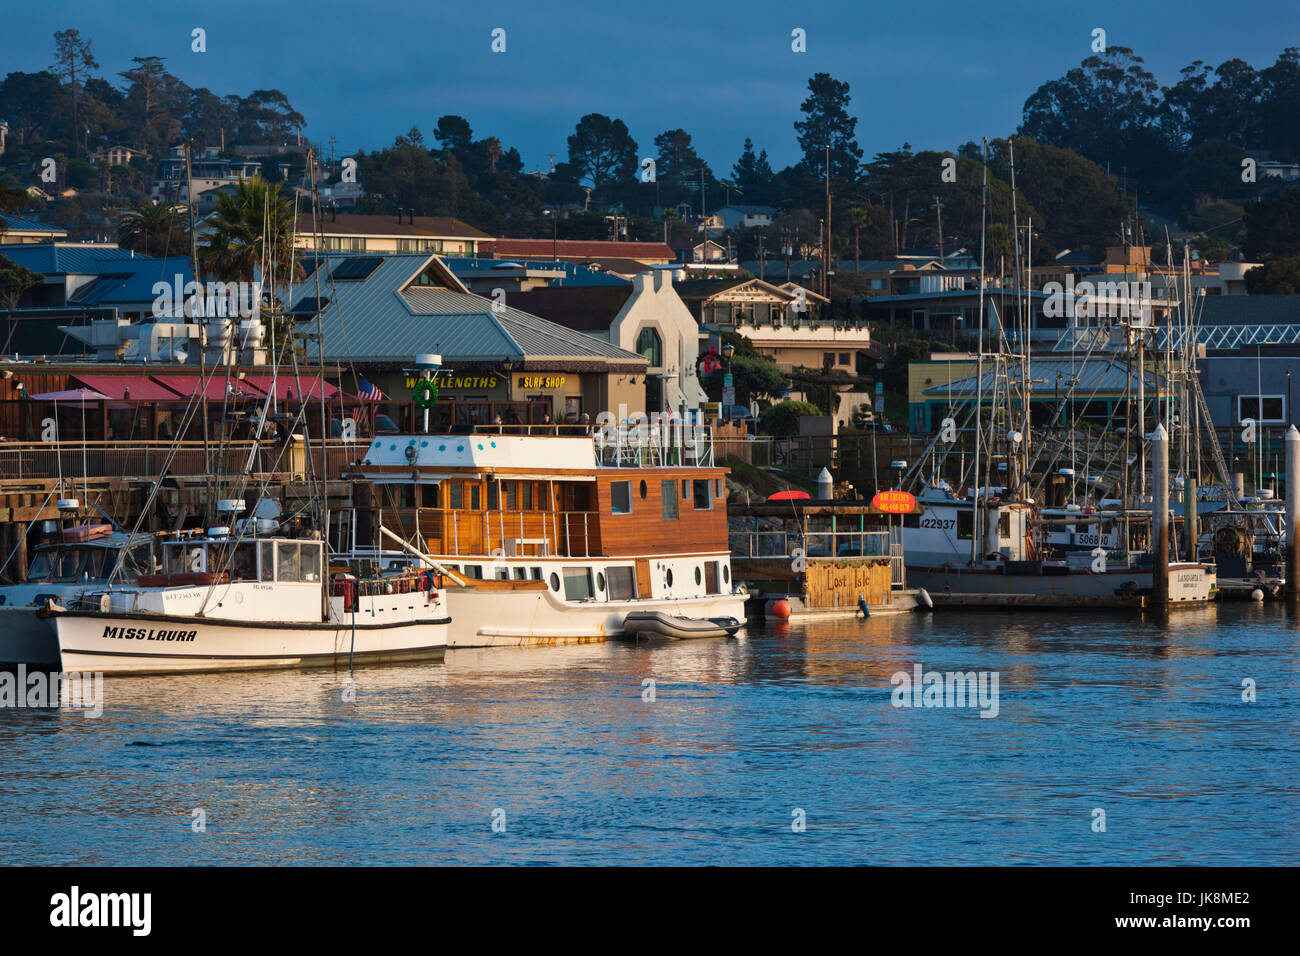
289,387
187,386
137,388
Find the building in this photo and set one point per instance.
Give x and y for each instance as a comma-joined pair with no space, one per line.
207,170
116,155
377,313
746,217
402,232
644,316
485,276
703,250
582,250
19,230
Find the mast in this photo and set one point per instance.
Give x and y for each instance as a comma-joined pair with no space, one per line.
203,375
979,367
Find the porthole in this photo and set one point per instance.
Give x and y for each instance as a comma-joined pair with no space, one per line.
643,491
600,581
555,582
668,577
698,576
726,574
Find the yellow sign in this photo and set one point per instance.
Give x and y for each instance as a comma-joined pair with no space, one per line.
542,381
445,381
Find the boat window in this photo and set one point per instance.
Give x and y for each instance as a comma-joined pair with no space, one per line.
525,496
726,574
719,488
668,490
1004,525
511,495
577,584
537,574
699,576
622,583
555,581
965,525
457,495
268,560
473,496
521,574
494,495
429,496
620,497
138,561
711,577
600,581
288,565
41,566
668,577
686,489
501,573
243,563
311,562
703,501
644,490
474,571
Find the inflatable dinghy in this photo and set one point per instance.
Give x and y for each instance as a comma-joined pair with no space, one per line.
659,624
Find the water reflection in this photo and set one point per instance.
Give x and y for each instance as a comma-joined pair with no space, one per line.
593,763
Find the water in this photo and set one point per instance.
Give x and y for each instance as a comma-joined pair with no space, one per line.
1143,721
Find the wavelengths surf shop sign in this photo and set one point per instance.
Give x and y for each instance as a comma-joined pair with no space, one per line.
450,380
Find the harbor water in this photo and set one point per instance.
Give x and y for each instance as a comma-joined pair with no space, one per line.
1115,740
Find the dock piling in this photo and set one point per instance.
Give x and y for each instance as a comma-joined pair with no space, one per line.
1292,513
1160,515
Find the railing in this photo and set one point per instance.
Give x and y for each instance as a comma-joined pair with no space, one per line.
142,459
505,533
654,445
814,544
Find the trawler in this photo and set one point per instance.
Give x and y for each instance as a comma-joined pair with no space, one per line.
246,602
82,559
553,535
1009,565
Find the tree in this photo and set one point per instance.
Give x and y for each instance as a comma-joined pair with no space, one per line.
454,133
14,281
678,168
31,105
152,229
1273,227
73,59
782,419
602,150
753,174
1279,277
249,226
827,122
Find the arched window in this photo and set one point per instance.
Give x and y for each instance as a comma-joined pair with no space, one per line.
651,346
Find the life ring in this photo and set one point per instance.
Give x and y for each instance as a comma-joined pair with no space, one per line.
425,393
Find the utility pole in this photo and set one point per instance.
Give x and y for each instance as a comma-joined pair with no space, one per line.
826,244
938,211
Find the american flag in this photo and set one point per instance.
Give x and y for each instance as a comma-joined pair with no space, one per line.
369,391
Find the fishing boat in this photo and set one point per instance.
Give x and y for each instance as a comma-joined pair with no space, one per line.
82,559
224,603
548,537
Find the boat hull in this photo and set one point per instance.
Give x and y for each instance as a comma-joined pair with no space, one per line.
26,638
116,643
1188,584
538,618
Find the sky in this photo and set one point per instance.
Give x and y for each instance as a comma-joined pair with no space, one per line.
934,74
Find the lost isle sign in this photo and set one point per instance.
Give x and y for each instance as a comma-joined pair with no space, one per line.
894,502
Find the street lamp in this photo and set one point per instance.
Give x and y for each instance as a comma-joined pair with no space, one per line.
555,234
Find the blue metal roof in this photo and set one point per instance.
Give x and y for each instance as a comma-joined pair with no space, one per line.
58,258
575,274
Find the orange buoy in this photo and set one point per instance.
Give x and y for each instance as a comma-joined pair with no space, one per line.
781,609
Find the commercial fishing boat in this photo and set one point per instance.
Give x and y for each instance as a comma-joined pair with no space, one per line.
550,537
1009,565
82,559
224,603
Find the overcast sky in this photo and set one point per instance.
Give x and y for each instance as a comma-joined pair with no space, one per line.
934,74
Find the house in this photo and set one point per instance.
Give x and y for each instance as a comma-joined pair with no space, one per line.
116,155
707,250
378,312
485,276
208,169
19,230
581,250
400,232
645,316
746,217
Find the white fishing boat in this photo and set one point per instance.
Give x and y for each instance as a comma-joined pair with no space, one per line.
82,559
553,538
237,604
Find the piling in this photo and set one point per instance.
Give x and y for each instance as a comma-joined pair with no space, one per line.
1160,515
1292,514
1190,522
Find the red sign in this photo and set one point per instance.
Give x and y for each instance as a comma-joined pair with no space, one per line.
894,502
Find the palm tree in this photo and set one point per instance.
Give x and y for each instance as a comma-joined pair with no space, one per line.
250,228
152,229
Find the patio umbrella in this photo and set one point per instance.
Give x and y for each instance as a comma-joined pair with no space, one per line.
78,396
